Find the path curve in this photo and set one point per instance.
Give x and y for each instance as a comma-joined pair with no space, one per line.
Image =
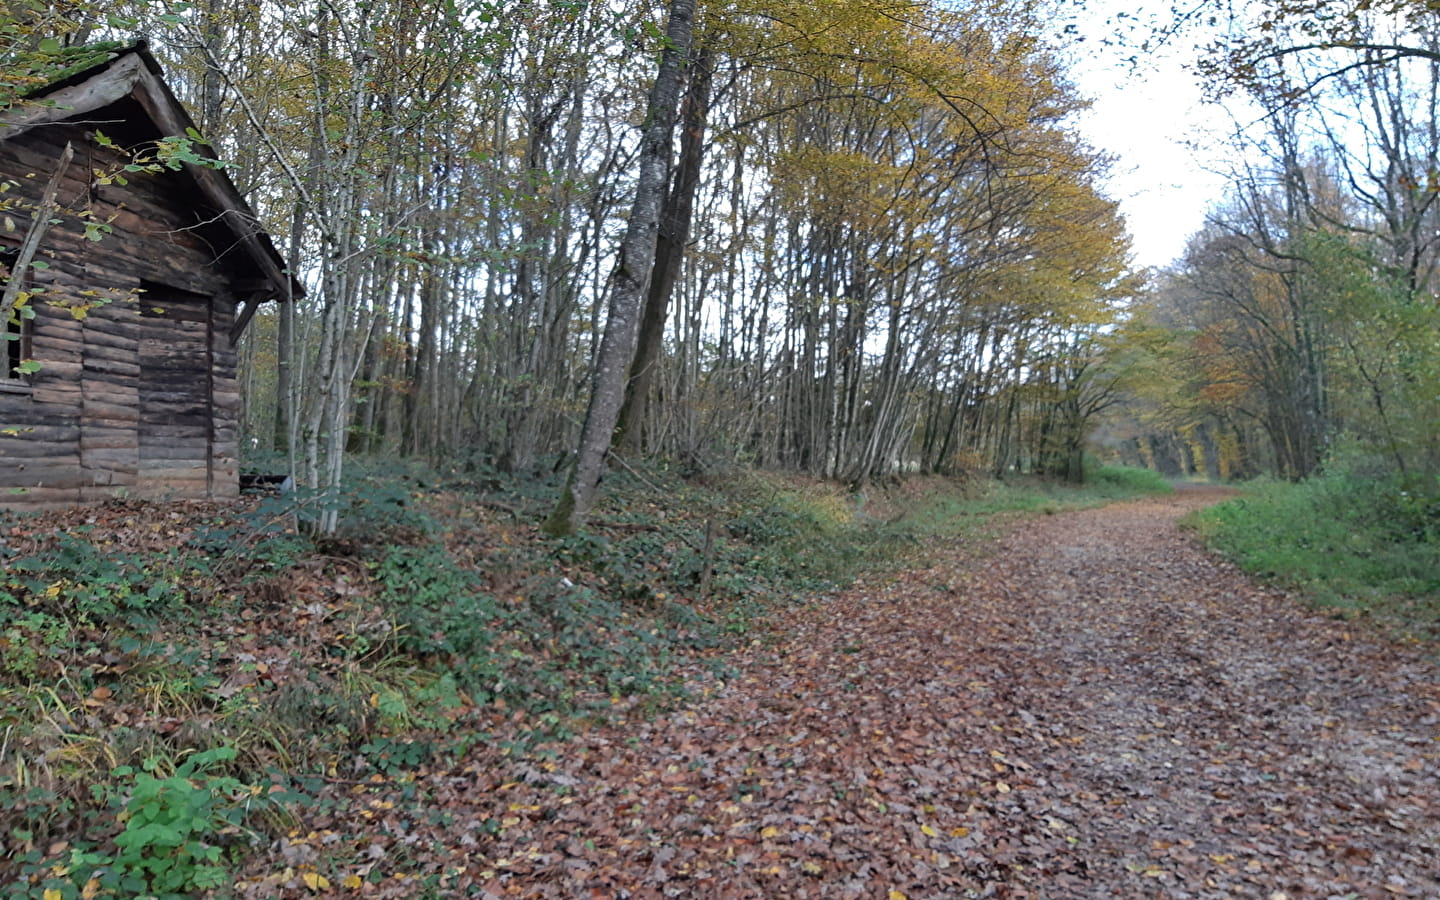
1226,741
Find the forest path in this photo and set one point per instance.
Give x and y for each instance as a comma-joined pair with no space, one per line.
1096,708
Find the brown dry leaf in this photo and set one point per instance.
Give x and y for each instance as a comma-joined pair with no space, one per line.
1092,707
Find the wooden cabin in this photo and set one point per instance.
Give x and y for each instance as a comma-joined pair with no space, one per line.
138,277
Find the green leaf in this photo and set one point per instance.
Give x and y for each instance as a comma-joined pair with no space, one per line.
50,45
210,876
28,367
151,834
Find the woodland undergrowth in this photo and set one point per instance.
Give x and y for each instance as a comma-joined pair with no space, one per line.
1361,546
177,680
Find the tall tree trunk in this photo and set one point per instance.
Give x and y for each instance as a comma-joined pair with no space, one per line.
669,251
627,281
285,400
212,82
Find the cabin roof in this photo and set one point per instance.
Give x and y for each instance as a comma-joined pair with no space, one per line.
100,75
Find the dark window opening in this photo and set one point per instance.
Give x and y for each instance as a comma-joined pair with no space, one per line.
17,323
161,301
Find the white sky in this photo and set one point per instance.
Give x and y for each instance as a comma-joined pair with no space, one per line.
1153,122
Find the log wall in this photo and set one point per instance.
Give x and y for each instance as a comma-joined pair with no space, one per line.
137,395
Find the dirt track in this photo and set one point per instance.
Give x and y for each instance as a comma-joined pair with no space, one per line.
1231,743
1097,709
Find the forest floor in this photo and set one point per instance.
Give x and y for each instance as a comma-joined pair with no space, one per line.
1090,707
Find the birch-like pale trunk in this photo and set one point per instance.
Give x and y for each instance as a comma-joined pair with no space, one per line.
628,280
326,425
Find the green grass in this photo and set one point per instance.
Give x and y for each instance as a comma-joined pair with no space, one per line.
1102,485
935,512
1359,546
1126,481
819,537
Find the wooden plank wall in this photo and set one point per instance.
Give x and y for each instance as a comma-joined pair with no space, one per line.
123,402
174,426
110,393
40,430
224,401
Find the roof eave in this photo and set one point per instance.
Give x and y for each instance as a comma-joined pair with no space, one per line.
134,73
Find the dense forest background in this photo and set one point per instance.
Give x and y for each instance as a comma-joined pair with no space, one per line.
869,239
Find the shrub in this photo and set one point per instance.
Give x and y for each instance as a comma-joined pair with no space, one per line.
1345,541
51,599
538,648
170,847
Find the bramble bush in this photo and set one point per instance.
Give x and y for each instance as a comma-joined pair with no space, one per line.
171,845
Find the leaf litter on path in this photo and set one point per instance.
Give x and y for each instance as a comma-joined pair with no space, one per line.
1096,708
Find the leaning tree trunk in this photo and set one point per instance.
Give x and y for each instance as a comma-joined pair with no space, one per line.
627,281
674,231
